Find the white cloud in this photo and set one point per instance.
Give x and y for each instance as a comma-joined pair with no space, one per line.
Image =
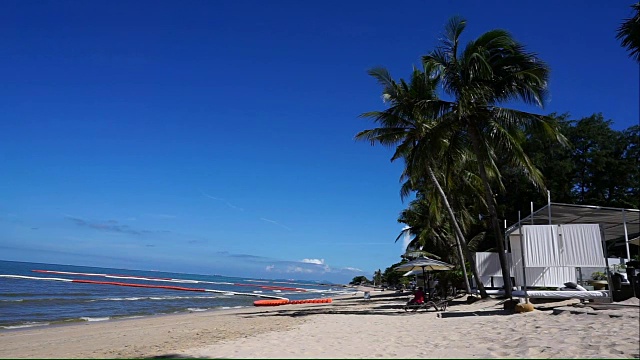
275,222
352,269
313,261
223,200
270,267
298,269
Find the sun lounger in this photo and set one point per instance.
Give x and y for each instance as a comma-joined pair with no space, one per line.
438,305
561,294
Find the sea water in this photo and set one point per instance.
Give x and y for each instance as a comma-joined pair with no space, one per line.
32,302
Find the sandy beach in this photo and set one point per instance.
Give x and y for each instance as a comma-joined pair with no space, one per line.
350,327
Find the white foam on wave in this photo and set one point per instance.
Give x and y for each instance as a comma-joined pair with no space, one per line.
197,309
94,319
231,307
323,292
153,298
22,326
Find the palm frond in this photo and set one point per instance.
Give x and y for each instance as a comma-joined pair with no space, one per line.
629,33
452,31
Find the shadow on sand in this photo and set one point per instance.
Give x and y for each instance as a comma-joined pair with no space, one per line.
454,314
171,356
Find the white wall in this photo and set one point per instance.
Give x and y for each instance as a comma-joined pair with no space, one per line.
489,266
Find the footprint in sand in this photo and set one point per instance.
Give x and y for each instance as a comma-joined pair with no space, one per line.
501,354
615,351
594,347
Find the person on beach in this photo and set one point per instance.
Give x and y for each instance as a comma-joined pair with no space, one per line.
418,297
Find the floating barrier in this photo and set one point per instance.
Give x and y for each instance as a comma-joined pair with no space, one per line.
290,302
270,302
166,287
184,281
137,285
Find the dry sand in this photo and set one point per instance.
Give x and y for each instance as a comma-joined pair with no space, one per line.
347,328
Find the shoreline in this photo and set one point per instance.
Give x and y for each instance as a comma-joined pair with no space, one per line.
146,336
77,321
348,327
228,310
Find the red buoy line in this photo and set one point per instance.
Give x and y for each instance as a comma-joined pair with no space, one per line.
136,285
167,287
184,281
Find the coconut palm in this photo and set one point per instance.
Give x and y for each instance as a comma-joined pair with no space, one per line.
406,125
453,178
629,33
377,277
432,235
490,71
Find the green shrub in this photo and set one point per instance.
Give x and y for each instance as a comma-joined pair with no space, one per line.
360,280
599,275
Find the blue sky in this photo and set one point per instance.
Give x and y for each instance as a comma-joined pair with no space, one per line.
217,136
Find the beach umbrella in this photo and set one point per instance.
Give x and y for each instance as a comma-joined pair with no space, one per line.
424,264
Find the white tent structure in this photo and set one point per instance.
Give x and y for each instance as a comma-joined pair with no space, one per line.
555,251
551,253
557,243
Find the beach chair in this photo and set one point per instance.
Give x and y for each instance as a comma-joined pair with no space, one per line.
437,305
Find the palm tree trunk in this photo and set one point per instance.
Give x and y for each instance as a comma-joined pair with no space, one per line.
460,241
493,213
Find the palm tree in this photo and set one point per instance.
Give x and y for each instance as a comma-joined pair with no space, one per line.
432,233
426,218
489,71
629,33
405,125
377,278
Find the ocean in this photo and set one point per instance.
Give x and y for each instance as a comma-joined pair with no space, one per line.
48,296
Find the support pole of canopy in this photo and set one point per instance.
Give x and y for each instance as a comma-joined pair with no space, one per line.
549,204
531,213
524,269
626,235
606,262
506,239
424,281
